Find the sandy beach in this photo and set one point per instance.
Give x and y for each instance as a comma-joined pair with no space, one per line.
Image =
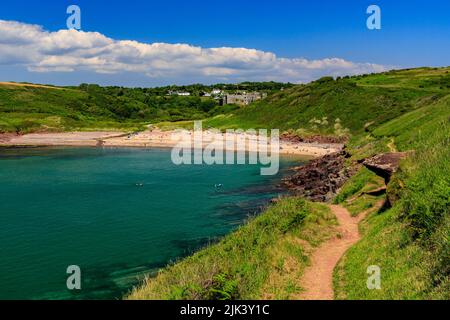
153,138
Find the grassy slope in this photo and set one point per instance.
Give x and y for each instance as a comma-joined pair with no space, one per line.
357,101
25,109
262,259
409,241
406,110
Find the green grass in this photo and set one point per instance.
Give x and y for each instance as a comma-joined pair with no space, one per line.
409,269
426,192
364,180
352,194
262,259
403,275
417,126
410,242
363,203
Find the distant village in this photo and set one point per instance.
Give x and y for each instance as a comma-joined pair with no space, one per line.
240,98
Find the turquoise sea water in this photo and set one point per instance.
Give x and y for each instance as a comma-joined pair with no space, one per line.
116,213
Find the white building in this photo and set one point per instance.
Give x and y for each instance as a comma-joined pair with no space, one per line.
243,99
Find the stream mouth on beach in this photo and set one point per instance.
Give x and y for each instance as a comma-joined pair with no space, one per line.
117,213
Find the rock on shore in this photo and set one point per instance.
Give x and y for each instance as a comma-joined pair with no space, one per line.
320,179
385,164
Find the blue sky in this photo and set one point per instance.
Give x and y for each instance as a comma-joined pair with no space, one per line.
414,33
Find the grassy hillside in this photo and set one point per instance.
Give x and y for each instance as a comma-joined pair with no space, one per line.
358,102
28,107
410,242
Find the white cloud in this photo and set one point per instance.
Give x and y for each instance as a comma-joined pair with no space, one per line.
71,51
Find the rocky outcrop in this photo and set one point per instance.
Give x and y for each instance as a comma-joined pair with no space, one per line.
320,179
385,164
312,139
